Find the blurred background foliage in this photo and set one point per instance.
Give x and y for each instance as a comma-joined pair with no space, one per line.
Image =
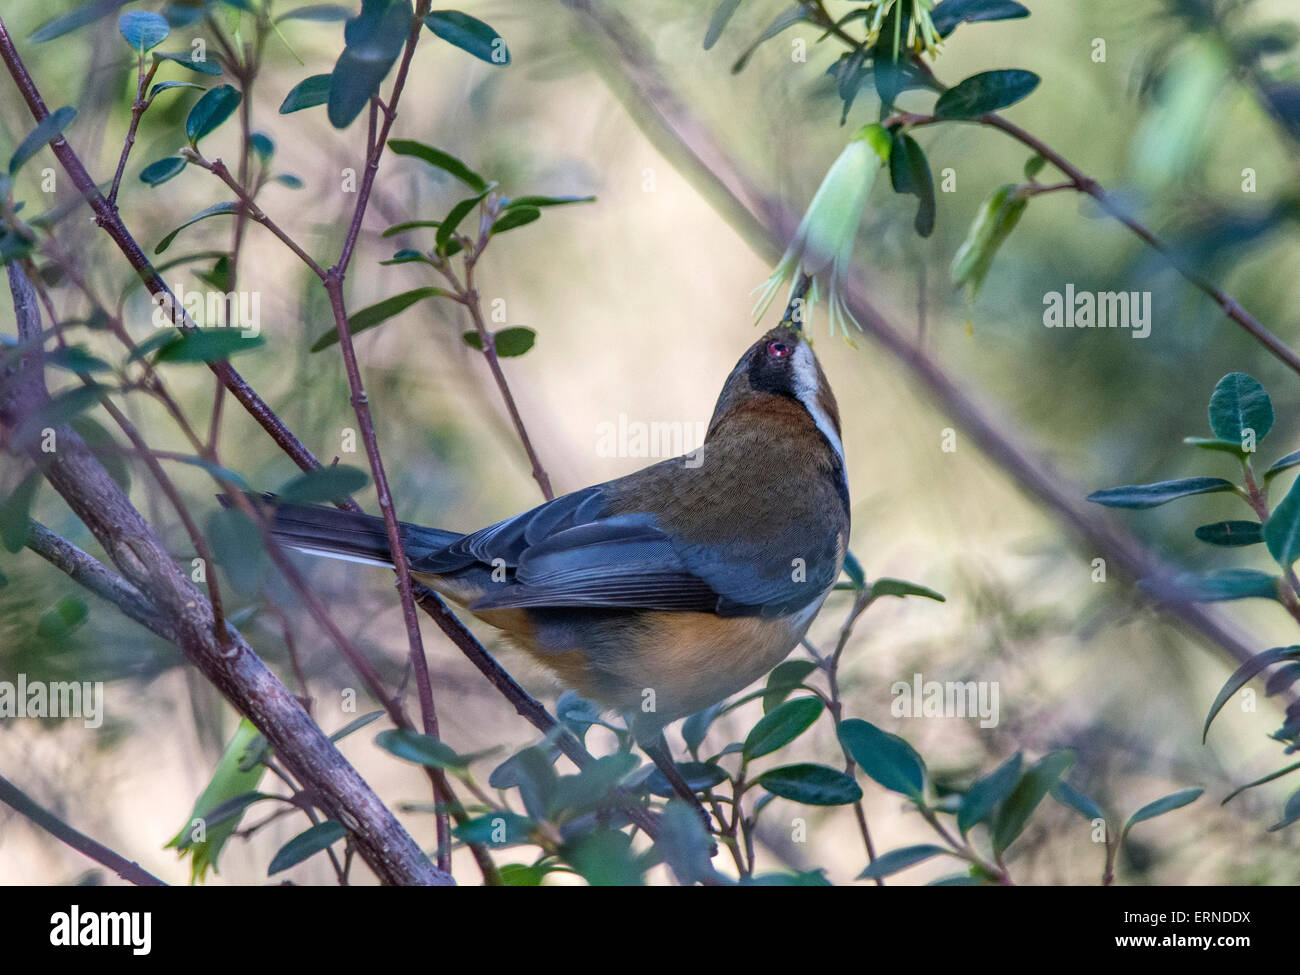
641,302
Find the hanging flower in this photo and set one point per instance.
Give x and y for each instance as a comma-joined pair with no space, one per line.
922,36
823,244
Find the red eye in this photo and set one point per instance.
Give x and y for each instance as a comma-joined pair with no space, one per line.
778,349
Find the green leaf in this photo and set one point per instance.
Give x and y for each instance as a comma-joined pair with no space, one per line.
786,19
700,776
1068,795
307,93
910,173
216,105
377,314
695,727
1014,813
219,473
287,179
217,209
1034,165
987,91
306,844
58,409
169,85
888,759
1242,675
508,342
86,13
1260,781
263,145
590,788
783,679
15,513
979,801
105,448
1282,464
470,35
997,217
324,485
420,749
374,39
237,547
208,345
230,810
1231,534
1290,813
811,785
143,29
515,217
1238,404
781,726
162,170
441,160
947,15
453,220
718,22
47,130
75,358
186,59
320,13
900,587
1162,492
406,256
1214,443
62,618
1161,806
399,228
356,724
496,829
1223,584
853,569
604,859
522,874
683,844
545,201
1282,530
895,860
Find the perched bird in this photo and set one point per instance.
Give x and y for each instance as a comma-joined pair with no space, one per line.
663,592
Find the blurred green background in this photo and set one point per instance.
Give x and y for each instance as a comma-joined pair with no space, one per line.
642,302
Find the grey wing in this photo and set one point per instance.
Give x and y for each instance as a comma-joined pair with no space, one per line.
569,552
565,553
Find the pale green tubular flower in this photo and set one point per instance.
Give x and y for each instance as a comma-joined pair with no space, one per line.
823,244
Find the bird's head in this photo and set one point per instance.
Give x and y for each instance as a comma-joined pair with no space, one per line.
777,370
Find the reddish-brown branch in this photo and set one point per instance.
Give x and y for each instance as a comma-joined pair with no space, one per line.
233,667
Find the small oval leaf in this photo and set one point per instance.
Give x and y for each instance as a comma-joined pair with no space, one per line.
987,91
306,844
470,35
781,726
811,785
216,105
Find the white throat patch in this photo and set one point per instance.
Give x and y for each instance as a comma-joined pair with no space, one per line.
806,389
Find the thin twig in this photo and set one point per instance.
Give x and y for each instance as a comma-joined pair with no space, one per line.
128,870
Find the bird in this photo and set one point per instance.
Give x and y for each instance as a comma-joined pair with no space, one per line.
668,590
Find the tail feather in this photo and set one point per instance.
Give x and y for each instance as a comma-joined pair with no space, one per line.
351,536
